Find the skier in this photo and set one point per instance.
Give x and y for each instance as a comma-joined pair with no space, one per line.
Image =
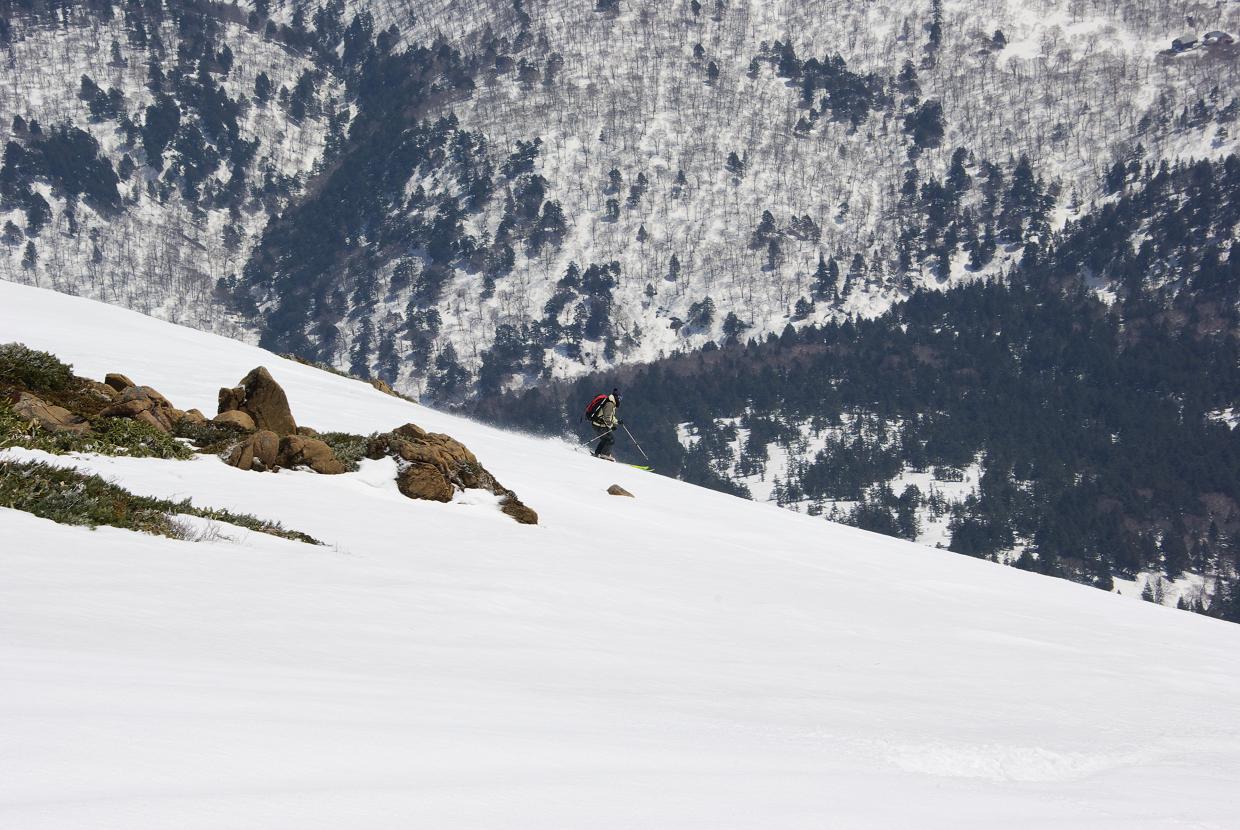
602,415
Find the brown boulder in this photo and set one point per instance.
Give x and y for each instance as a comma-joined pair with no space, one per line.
148,416
126,409
117,381
242,456
617,490
266,403
235,418
424,481
50,417
230,400
100,391
194,416
260,451
452,458
142,403
434,465
512,506
309,432
299,451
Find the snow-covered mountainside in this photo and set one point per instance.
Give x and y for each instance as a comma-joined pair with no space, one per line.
144,154
823,108
714,170
680,658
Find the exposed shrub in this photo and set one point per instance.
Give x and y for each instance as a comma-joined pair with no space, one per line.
109,436
72,498
209,437
34,370
349,448
124,436
75,498
247,521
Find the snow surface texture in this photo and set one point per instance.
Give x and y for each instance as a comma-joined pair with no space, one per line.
683,658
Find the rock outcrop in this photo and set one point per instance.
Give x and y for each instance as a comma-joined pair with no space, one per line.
300,451
231,399
434,466
99,393
142,403
264,450
260,451
117,381
85,402
260,397
50,417
235,418
263,435
383,387
258,405
617,490
515,508
424,481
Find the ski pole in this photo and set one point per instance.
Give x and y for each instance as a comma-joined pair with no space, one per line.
595,438
634,440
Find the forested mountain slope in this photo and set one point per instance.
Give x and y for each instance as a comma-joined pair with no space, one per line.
461,196
145,147
718,152
1079,419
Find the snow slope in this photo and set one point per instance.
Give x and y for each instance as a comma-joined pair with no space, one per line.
681,659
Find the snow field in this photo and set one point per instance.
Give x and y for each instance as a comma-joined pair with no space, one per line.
679,659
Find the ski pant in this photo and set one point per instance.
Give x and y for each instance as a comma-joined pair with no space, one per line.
606,442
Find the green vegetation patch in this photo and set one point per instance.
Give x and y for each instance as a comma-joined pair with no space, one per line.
208,436
75,498
349,448
108,436
34,370
24,369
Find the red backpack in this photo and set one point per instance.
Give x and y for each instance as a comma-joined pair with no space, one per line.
594,405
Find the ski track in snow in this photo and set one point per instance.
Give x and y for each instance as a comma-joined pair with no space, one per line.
681,659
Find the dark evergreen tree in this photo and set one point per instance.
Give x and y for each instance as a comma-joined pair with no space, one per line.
262,88
958,179
826,279
163,119
925,124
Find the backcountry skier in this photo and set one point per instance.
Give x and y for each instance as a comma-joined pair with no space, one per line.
602,415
